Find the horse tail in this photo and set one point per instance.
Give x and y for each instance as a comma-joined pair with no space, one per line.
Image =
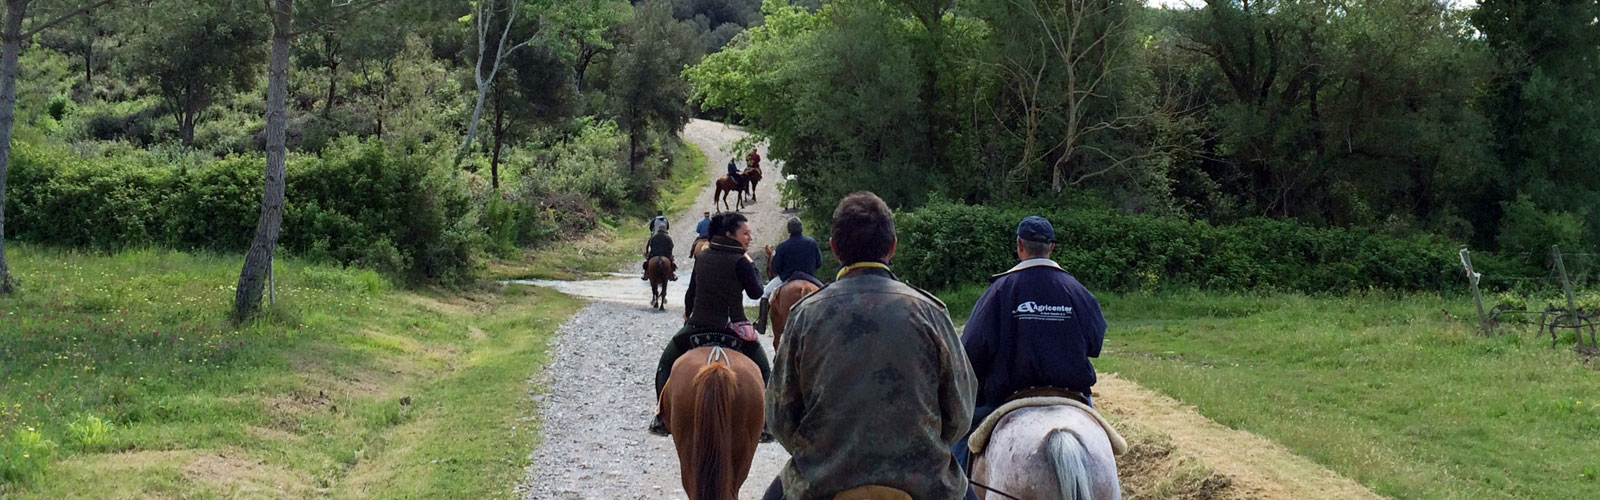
714,387
661,268
1070,460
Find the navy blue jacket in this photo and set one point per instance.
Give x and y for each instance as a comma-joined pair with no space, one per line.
703,228
798,253
1034,326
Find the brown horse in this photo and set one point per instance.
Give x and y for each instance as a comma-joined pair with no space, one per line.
783,300
726,185
713,406
658,269
699,245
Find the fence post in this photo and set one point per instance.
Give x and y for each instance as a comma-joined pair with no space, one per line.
1477,296
1566,286
272,285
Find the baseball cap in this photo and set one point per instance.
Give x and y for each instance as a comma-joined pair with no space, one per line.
1036,228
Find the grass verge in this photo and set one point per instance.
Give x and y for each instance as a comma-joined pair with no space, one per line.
1379,388
345,388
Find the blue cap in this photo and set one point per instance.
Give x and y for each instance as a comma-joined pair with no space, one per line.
1036,228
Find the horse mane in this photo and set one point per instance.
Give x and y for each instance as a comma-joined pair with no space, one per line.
714,387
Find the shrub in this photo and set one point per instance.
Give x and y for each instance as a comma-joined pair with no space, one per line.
24,455
89,432
946,245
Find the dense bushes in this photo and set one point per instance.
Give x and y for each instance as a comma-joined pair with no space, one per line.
944,245
357,204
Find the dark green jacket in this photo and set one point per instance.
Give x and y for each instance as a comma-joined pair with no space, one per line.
871,386
720,273
660,246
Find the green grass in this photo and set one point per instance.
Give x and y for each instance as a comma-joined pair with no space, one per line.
128,372
1380,388
620,239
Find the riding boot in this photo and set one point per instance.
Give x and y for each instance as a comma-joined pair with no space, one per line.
761,320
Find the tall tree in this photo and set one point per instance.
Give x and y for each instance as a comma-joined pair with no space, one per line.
194,52
258,260
11,40
1545,102
647,90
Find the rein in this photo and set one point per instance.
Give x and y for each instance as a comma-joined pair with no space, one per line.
985,486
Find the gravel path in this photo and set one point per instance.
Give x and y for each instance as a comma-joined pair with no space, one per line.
596,398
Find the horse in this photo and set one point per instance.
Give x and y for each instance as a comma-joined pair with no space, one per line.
713,405
784,299
699,245
658,269
1051,451
725,185
752,177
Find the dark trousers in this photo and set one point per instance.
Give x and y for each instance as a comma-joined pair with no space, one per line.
775,491
680,344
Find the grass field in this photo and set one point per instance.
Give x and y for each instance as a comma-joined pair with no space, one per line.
120,378
1381,388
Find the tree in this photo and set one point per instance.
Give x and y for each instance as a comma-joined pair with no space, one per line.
258,260
11,39
1544,103
494,48
194,52
647,91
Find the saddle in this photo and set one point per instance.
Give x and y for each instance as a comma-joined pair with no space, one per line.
714,338
980,435
800,276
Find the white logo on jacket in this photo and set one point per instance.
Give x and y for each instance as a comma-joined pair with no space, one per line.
1044,312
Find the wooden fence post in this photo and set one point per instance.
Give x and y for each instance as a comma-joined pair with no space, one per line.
1477,296
1566,286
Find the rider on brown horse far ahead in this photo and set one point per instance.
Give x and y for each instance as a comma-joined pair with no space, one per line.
754,160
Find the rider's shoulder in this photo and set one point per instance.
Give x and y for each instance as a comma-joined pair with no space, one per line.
927,295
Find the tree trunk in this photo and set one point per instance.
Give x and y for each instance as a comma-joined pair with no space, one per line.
186,120
499,135
15,10
247,296
330,53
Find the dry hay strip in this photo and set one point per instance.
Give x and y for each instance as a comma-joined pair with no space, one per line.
1178,453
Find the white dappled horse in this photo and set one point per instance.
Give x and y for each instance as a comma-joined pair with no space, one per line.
1046,449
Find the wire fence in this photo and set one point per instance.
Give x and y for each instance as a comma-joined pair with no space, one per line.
1523,296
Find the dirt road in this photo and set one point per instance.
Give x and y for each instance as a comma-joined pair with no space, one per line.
594,398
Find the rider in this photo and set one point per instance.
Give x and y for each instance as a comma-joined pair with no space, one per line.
658,222
871,386
703,229
1034,328
754,160
660,245
796,258
733,173
712,304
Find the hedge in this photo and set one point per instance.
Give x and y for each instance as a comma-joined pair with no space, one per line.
357,204
945,245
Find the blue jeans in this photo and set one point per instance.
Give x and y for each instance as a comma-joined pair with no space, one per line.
978,415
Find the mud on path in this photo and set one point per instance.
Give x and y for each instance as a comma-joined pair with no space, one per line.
594,398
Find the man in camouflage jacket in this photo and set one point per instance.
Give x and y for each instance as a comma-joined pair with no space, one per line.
871,385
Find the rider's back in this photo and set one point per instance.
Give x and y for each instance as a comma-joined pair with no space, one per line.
871,387
717,285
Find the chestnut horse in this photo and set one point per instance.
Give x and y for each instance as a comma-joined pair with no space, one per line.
713,405
725,185
658,269
783,300
700,245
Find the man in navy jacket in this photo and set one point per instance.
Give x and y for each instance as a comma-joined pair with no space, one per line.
1035,327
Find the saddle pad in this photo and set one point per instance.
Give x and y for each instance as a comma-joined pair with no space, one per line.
980,435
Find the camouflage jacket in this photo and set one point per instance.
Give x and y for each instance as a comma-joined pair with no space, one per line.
870,386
